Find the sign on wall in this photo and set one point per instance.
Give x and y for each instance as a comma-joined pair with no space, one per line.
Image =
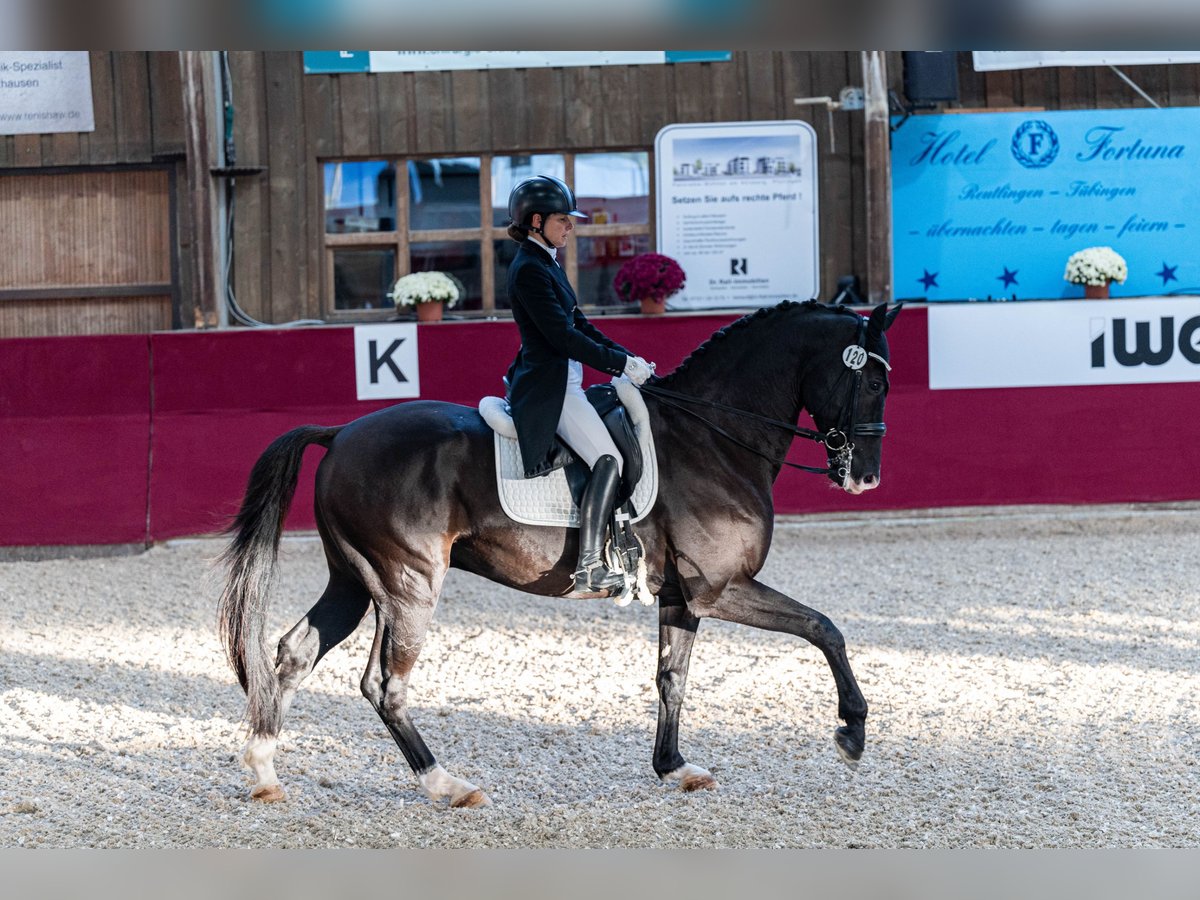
385,361
995,60
1064,343
45,92
330,61
737,207
992,205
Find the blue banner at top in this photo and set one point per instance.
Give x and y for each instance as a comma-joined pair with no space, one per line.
991,205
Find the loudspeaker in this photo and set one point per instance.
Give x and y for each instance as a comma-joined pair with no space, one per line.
930,76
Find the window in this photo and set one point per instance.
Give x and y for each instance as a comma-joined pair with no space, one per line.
386,218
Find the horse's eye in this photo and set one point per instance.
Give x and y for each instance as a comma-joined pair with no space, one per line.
874,386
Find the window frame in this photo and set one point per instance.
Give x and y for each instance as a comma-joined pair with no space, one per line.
485,234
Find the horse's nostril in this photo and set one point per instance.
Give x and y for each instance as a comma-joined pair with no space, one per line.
870,479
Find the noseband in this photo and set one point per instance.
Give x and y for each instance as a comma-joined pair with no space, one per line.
837,440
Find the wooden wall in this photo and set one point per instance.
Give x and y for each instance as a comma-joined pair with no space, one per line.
287,123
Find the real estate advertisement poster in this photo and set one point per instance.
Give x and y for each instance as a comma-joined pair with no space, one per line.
737,208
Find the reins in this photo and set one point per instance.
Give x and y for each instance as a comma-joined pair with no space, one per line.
836,439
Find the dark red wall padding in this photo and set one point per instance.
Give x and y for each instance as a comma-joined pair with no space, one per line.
140,438
74,440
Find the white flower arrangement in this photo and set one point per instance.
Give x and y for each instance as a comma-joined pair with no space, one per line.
1097,266
426,287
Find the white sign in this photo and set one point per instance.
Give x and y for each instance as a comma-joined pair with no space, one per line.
737,207
995,60
1064,342
385,361
45,91
443,60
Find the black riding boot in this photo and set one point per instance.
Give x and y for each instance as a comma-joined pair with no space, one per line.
593,576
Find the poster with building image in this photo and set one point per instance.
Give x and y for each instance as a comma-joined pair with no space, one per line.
737,207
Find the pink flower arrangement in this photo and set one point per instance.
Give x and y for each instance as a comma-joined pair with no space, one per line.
650,276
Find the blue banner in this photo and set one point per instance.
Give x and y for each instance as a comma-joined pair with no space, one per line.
991,205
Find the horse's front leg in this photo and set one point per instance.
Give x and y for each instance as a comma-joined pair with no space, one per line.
676,634
749,602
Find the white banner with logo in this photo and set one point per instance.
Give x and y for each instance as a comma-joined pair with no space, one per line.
1064,342
45,92
385,361
737,208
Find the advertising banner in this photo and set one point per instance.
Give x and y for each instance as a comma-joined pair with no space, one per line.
991,205
974,345
737,207
45,92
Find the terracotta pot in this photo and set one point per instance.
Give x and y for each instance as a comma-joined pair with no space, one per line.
429,312
653,307
1096,291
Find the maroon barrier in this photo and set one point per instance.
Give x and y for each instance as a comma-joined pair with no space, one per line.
127,439
74,440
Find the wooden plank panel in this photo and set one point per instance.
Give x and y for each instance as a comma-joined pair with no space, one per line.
395,112
829,75
87,228
132,105
618,106
434,131
93,315
355,114
1154,81
62,149
100,145
972,87
544,101
1112,92
28,149
321,123
583,124
692,89
727,100
7,150
1183,86
251,196
166,104
509,121
1000,88
656,108
764,100
1038,87
1077,87
469,102
795,74
287,297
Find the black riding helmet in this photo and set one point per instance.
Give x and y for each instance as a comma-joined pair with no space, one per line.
543,194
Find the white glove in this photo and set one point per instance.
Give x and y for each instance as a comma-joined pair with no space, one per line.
637,369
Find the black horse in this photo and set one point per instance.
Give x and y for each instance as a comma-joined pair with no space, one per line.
406,493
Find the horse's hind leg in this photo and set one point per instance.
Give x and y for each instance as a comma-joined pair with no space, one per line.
751,603
399,635
331,620
676,635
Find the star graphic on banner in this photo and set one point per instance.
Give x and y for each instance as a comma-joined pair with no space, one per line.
1167,273
929,279
1009,278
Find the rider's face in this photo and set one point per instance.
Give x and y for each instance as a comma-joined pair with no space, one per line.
557,228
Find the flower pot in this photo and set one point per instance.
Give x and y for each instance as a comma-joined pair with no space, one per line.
429,312
1096,291
653,307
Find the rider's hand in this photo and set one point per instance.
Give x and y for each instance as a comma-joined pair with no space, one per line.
637,369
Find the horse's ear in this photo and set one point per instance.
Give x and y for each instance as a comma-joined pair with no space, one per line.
881,320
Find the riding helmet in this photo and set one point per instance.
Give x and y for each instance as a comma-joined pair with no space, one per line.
543,194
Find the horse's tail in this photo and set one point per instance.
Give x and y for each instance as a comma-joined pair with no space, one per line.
250,558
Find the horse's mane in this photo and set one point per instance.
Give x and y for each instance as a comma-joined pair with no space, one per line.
767,316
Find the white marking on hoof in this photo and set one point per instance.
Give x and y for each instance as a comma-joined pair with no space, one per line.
259,757
692,778
850,762
643,589
438,785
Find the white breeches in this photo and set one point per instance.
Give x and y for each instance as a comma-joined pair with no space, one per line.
580,425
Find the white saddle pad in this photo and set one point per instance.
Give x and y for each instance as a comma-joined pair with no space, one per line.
546,500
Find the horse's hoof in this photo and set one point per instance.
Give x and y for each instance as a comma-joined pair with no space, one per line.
268,793
703,782
849,747
473,800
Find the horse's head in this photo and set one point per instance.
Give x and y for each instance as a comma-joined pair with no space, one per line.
845,392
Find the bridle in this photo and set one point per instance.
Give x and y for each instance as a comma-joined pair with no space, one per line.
837,440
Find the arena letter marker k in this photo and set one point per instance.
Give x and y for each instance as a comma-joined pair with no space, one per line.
386,361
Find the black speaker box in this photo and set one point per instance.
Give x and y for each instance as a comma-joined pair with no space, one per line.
930,76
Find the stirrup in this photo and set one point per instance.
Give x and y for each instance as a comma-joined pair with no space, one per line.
598,578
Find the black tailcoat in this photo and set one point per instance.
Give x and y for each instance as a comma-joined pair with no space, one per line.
553,331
